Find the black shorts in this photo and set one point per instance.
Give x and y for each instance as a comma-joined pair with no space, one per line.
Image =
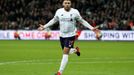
67,42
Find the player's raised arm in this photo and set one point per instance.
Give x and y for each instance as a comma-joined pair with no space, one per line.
50,23
86,24
82,21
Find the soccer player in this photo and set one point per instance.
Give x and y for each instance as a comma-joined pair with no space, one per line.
67,18
16,35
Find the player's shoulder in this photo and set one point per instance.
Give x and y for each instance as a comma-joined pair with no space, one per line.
60,10
74,10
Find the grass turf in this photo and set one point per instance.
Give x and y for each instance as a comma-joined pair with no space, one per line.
43,58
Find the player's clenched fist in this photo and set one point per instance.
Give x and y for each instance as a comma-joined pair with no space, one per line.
41,27
98,34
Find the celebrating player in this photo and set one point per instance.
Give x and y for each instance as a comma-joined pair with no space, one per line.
67,18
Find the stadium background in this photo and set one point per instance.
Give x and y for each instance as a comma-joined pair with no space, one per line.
42,57
27,14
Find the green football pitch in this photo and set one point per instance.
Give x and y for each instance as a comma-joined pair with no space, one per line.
43,58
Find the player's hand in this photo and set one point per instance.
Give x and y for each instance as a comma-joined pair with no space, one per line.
98,33
41,27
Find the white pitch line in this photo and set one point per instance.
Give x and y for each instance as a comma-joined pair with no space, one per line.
104,58
84,62
53,61
97,62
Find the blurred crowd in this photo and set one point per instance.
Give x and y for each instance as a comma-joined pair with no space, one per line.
106,14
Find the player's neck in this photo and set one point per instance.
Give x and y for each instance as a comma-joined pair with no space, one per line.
67,10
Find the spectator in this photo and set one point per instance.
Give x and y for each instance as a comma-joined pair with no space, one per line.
27,13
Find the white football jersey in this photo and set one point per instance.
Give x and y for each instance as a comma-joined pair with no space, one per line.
67,21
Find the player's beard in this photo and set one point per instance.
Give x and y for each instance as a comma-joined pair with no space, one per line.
67,8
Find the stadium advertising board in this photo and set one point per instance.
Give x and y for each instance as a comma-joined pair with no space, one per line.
85,35
109,35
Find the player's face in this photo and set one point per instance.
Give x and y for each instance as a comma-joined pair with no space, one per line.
67,5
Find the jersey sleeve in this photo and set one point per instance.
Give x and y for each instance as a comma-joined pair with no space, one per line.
52,21
82,21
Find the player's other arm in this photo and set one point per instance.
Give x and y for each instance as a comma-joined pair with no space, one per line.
50,23
86,24
82,21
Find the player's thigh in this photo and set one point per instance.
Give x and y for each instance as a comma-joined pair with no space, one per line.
62,42
72,40
69,42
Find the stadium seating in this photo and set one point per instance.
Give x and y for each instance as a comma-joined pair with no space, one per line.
27,14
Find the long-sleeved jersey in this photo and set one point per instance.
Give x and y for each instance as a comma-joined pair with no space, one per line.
67,21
